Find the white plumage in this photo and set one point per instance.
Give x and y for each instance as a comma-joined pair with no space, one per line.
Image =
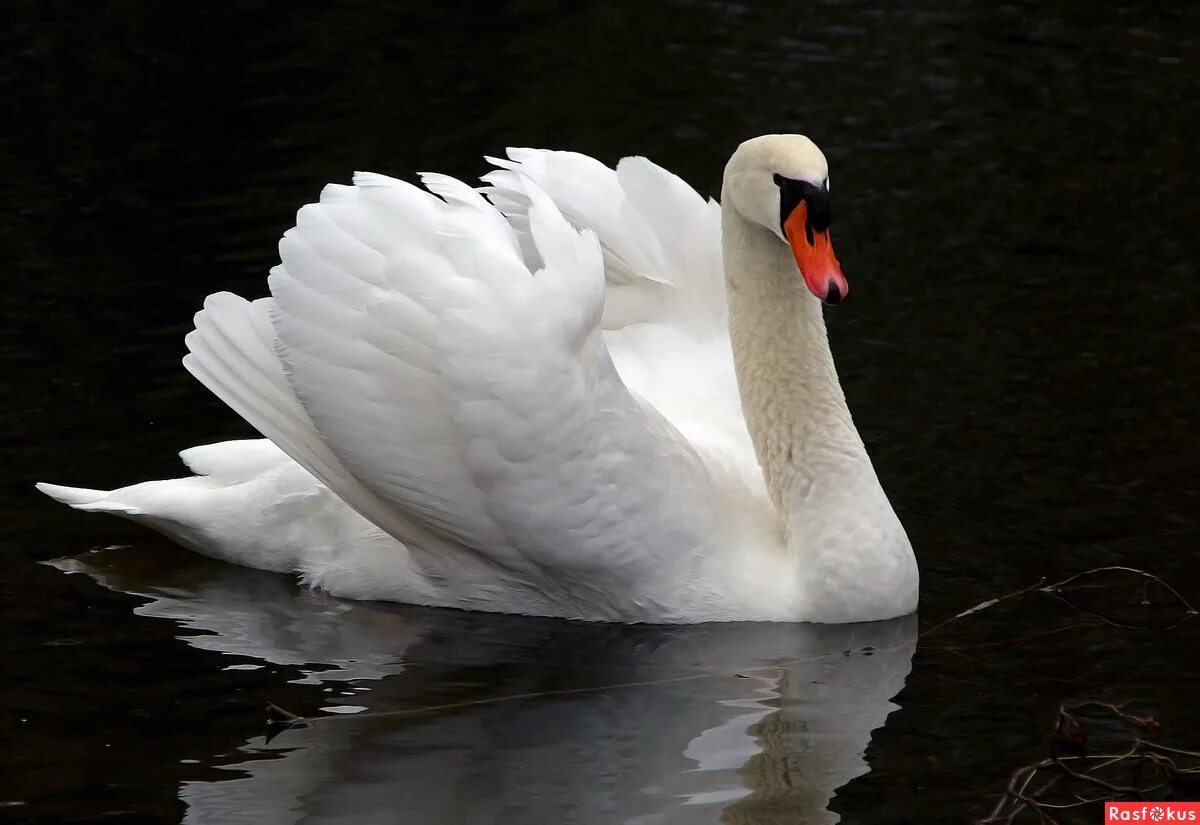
529,403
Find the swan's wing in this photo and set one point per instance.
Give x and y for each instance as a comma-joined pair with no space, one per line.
231,352
665,318
661,239
463,391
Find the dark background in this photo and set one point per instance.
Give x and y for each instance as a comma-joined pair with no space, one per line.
1015,200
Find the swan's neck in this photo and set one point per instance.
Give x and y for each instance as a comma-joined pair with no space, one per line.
791,397
839,525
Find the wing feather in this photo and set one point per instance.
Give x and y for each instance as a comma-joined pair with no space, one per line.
464,390
665,319
517,388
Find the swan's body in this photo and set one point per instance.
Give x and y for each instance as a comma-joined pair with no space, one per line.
607,438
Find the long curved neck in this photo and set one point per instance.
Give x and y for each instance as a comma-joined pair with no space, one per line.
792,400
852,556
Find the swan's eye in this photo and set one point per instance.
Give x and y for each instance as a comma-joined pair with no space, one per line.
792,192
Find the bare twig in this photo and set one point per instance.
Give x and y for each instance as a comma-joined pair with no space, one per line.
1157,747
1119,776
983,606
1055,590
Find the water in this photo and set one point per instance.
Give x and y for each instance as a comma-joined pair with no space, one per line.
1015,199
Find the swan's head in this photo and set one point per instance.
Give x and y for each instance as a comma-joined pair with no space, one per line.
781,182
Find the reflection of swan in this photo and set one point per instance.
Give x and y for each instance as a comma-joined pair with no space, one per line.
258,616
702,743
639,421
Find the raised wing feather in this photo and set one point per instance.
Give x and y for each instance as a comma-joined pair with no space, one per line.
665,320
232,354
586,477
661,239
480,398
363,282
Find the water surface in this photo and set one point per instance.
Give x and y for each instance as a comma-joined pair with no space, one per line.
1015,203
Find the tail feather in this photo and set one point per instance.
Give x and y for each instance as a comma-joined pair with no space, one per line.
232,461
83,498
221,519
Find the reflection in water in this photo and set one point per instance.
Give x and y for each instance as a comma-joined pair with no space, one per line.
741,722
262,617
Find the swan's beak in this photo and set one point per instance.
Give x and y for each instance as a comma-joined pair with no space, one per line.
814,256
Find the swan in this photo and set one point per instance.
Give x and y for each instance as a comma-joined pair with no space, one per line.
580,392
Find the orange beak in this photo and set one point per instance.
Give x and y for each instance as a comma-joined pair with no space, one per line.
814,255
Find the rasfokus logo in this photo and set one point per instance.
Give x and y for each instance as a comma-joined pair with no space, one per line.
1151,812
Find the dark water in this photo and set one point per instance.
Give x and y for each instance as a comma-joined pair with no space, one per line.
1016,201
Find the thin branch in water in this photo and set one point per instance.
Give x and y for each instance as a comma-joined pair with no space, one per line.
983,606
1146,770
1056,589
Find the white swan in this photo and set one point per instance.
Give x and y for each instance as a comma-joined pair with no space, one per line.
563,402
